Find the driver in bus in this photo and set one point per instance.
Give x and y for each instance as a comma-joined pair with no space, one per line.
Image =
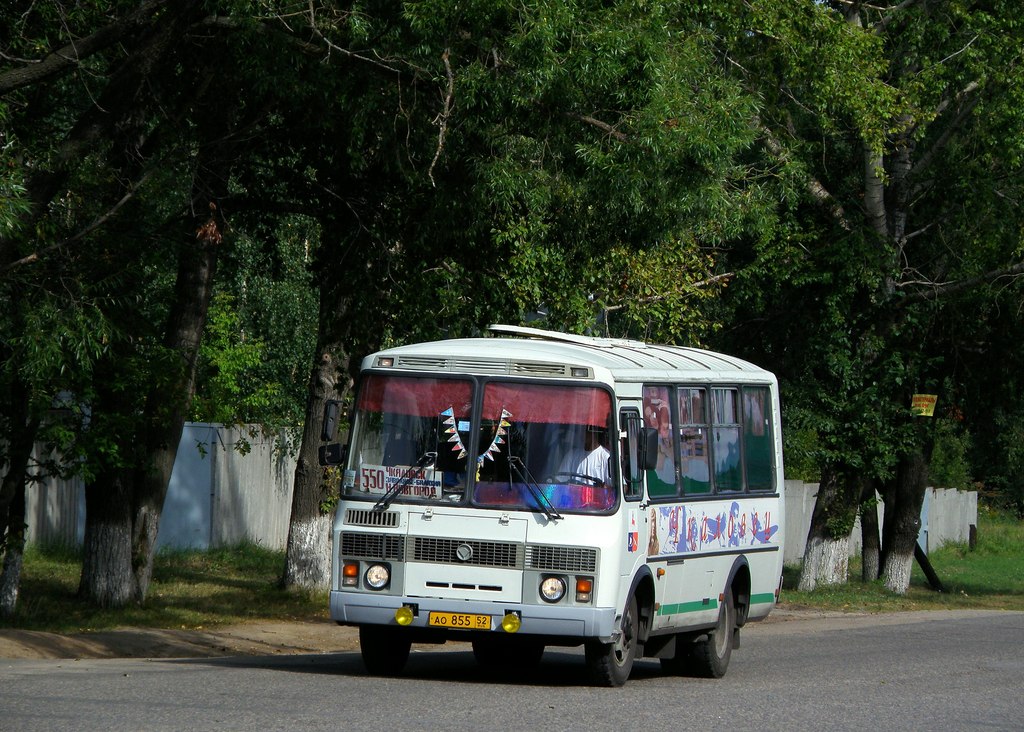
591,460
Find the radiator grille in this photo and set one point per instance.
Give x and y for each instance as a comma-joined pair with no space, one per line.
485,553
363,517
373,546
562,559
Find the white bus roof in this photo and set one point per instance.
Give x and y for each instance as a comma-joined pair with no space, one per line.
518,351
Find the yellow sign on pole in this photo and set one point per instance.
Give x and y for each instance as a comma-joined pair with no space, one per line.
923,405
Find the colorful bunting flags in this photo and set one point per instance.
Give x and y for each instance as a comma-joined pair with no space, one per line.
450,429
499,437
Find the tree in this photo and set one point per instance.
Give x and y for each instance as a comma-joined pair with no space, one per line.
552,156
149,157
893,123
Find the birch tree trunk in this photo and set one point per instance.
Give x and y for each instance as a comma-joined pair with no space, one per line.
903,521
827,553
871,546
107,578
14,553
308,552
23,426
167,411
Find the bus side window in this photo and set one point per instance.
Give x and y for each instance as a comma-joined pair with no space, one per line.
693,440
633,484
725,426
661,477
758,440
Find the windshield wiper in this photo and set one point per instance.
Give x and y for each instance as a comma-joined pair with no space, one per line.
426,459
538,495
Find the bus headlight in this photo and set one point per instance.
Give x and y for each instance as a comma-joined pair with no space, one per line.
377,576
552,589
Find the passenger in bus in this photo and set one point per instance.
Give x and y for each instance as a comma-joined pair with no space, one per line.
589,460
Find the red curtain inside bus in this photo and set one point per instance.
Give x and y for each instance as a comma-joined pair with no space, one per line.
542,403
424,397
414,397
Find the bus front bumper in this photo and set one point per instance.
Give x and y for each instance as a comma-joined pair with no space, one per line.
565,622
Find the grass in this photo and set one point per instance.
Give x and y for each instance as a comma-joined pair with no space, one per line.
190,589
989,576
202,589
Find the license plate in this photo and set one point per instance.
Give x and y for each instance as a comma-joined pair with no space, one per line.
460,621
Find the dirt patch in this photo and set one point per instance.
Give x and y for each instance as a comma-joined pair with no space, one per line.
270,638
249,639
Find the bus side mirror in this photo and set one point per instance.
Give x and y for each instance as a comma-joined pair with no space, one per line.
331,411
648,457
333,454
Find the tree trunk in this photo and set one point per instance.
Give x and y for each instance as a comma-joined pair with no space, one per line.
20,440
14,553
23,428
869,530
167,410
903,521
827,554
308,555
107,579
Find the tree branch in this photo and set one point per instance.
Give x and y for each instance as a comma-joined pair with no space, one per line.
71,55
620,136
965,110
96,223
442,118
938,290
818,192
658,298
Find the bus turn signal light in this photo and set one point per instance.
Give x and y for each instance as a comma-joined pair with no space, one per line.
584,589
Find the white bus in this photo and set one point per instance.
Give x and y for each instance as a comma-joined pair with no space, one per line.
537,489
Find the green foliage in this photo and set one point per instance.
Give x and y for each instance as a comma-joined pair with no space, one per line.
230,395
949,466
818,187
191,589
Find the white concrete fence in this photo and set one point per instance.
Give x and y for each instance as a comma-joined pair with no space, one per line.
947,516
219,497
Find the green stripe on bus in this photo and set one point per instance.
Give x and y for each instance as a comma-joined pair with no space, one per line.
699,605
687,607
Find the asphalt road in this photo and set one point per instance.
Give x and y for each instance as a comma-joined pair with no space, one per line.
918,671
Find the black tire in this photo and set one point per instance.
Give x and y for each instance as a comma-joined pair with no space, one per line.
711,654
611,663
501,653
385,650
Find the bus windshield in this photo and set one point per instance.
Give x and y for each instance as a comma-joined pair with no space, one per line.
411,434
554,438
535,447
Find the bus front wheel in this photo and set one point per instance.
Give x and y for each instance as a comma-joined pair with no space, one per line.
611,663
385,650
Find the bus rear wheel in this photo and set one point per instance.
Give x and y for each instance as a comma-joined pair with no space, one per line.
611,663
710,655
385,650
